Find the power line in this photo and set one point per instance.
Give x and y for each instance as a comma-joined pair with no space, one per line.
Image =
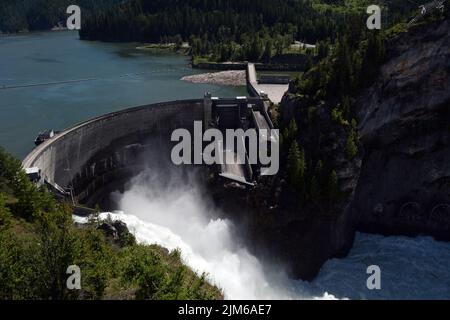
29,85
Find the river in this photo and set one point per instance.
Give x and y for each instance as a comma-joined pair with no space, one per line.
173,212
75,80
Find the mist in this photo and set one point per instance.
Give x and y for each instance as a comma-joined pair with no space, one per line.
172,210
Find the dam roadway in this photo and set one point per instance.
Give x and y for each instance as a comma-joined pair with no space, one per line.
274,92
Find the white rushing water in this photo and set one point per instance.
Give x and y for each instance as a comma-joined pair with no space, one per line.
175,215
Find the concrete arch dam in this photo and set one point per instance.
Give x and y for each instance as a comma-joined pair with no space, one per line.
98,154
92,159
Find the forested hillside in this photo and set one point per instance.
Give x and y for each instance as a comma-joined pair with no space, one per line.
217,29
232,30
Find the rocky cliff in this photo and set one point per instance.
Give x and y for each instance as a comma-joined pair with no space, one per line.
300,227
404,126
305,228
398,182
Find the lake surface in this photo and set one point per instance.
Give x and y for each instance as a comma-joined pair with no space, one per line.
112,77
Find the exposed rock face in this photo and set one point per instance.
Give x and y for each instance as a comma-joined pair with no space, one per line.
404,185
308,235
109,230
299,235
117,232
399,183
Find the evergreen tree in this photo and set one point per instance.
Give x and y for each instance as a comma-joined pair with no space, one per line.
5,214
314,189
374,56
343,72
178,41
267,55
255,50
322,50
289,133
286,136
351,145
345,107
309,63
293,159
296,166
302,165
318,172
293,163
279,45
333,186
293,129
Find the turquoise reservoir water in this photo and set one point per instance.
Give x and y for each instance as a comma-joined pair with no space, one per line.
112,77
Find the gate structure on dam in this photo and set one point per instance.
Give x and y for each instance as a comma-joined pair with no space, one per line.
94,158
239,113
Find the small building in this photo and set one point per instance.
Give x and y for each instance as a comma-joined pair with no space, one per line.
44,136
34,174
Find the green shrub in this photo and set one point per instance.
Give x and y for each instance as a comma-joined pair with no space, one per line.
351,145
35,253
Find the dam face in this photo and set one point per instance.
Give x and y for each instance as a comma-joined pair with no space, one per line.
93,158
86,163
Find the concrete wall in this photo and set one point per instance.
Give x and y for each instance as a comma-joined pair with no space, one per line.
274,92
281,65
274,79
100,151
220,66
252,82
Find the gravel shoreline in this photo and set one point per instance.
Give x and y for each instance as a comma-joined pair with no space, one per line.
226,78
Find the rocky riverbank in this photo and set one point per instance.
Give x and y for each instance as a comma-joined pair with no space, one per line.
224,78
